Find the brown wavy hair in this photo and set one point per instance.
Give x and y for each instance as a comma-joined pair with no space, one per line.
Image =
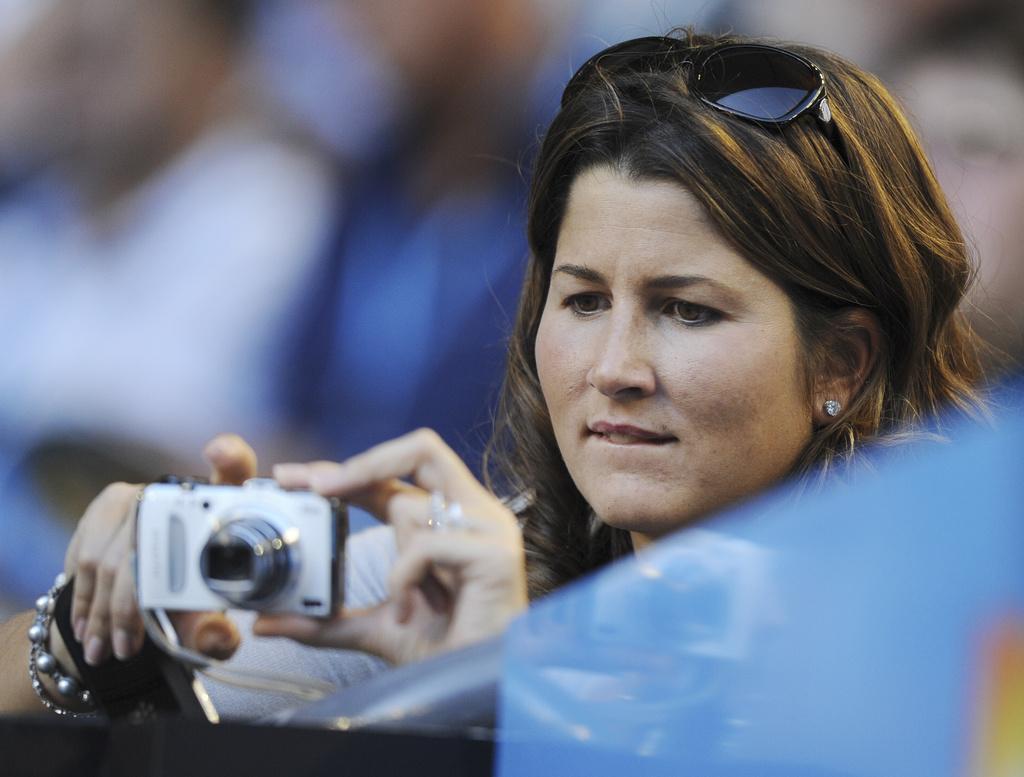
863,225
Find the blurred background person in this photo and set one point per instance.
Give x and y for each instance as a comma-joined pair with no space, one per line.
961,76
427,256
861,30
156,225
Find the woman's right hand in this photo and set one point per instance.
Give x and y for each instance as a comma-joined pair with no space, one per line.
450,585
104,612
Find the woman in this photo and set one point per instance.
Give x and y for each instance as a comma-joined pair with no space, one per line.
742,270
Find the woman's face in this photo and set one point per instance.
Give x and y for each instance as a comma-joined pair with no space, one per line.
670,366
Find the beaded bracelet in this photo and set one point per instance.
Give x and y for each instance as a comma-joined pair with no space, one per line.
40,660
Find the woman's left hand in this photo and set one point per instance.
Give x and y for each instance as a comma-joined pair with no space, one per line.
450,586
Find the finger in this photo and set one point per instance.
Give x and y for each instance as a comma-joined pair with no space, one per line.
97,629
412,571
398,503
232,459
81,601
71,554
127,631
97,529
211,633
353,629
297,627
433,553
295,475
392,501
421,455
374,498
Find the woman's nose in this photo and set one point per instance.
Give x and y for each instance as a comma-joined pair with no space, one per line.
622,368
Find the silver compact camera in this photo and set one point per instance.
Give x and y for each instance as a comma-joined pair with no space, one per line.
254,546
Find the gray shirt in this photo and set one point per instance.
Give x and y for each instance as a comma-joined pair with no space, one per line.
369,556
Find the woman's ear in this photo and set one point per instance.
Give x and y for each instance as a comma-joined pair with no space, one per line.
854,345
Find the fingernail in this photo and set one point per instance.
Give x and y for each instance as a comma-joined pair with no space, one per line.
214,642
94,652
79,629
122,644
207,642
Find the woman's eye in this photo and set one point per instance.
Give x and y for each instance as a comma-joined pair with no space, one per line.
691,313
584,304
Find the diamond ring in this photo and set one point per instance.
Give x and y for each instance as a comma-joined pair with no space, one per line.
444,515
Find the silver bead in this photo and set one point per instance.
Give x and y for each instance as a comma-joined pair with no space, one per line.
43,604
60,581
37,632
86,698
67,687
46,663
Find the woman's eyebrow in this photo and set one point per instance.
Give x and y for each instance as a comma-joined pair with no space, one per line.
725,294
581,272
660,282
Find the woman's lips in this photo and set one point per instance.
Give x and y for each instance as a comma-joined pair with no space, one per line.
626,434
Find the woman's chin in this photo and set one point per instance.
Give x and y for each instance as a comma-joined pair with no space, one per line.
652,521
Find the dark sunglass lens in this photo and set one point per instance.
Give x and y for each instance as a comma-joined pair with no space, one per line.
759,83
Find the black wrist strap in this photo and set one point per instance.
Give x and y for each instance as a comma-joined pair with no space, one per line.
135,688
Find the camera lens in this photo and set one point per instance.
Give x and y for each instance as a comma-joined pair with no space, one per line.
246,561
230,562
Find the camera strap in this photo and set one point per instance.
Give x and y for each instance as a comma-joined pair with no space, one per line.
161,631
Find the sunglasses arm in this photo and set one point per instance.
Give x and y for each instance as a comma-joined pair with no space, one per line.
824,117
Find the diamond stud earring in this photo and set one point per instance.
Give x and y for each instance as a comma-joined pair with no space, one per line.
832,407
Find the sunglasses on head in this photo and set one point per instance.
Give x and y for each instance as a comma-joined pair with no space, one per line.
766,85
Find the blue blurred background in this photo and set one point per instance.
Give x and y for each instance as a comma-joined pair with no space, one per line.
303,220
